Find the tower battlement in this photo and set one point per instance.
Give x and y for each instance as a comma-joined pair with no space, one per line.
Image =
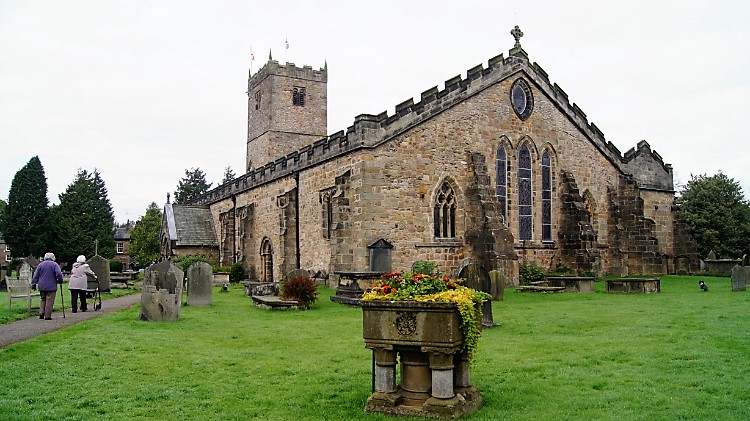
272,67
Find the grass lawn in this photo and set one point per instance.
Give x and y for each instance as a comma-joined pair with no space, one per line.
678,354
20,308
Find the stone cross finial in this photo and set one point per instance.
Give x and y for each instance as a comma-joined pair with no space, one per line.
517,34
96,247
168,192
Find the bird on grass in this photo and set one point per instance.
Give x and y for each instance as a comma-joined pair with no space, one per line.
703,285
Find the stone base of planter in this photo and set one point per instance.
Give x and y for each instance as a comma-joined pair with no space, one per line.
466,402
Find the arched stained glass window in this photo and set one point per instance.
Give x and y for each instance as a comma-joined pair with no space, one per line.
444,212
525,227
501,186
546,197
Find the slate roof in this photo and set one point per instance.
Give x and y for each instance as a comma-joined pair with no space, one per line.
190,225
122,233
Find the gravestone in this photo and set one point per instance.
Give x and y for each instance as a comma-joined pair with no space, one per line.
497,281
25,272
739,278
199,285
100,266
746,260
297,273
476,277
380,256
161,296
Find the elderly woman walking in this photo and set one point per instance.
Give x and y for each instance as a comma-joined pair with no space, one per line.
79,282
47,275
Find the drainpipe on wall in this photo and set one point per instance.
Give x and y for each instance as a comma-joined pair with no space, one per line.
296,216
234,228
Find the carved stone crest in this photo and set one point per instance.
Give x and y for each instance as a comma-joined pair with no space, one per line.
406,323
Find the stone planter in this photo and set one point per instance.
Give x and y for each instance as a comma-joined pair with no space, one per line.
425,338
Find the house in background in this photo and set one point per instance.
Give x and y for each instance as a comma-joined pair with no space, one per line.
5,256
122,243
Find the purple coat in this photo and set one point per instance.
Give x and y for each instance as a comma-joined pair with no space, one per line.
47,275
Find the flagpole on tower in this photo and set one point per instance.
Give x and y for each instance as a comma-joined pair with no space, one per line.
252,59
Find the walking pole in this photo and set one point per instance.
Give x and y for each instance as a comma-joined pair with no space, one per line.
62,298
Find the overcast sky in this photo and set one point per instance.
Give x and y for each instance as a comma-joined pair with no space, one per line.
143,90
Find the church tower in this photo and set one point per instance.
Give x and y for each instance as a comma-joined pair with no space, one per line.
287,108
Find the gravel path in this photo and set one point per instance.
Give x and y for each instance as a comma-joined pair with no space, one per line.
28,328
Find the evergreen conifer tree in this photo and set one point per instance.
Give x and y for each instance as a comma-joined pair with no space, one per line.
84,217
192,185
26,224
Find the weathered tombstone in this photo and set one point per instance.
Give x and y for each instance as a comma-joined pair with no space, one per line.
746,260
297,273
711,255
739,280
161,297
380,256
100,266
24,272
497,282
476,277
200,292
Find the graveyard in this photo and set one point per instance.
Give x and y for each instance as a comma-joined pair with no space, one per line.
675,354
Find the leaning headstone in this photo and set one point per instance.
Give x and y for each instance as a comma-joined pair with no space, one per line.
199,284
100,266
739,275
161,296
476,277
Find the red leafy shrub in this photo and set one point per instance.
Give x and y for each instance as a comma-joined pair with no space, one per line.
301,289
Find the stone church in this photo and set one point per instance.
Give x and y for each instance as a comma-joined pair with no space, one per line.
497,168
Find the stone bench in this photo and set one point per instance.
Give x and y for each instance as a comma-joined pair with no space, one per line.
122,281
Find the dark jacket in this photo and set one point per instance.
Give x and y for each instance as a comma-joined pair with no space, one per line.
47,275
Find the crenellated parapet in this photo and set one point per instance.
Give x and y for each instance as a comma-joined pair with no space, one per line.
272,67
370,130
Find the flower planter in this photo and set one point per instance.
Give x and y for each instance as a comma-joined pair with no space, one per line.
425,338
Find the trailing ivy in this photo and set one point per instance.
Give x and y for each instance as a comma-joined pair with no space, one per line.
421,287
